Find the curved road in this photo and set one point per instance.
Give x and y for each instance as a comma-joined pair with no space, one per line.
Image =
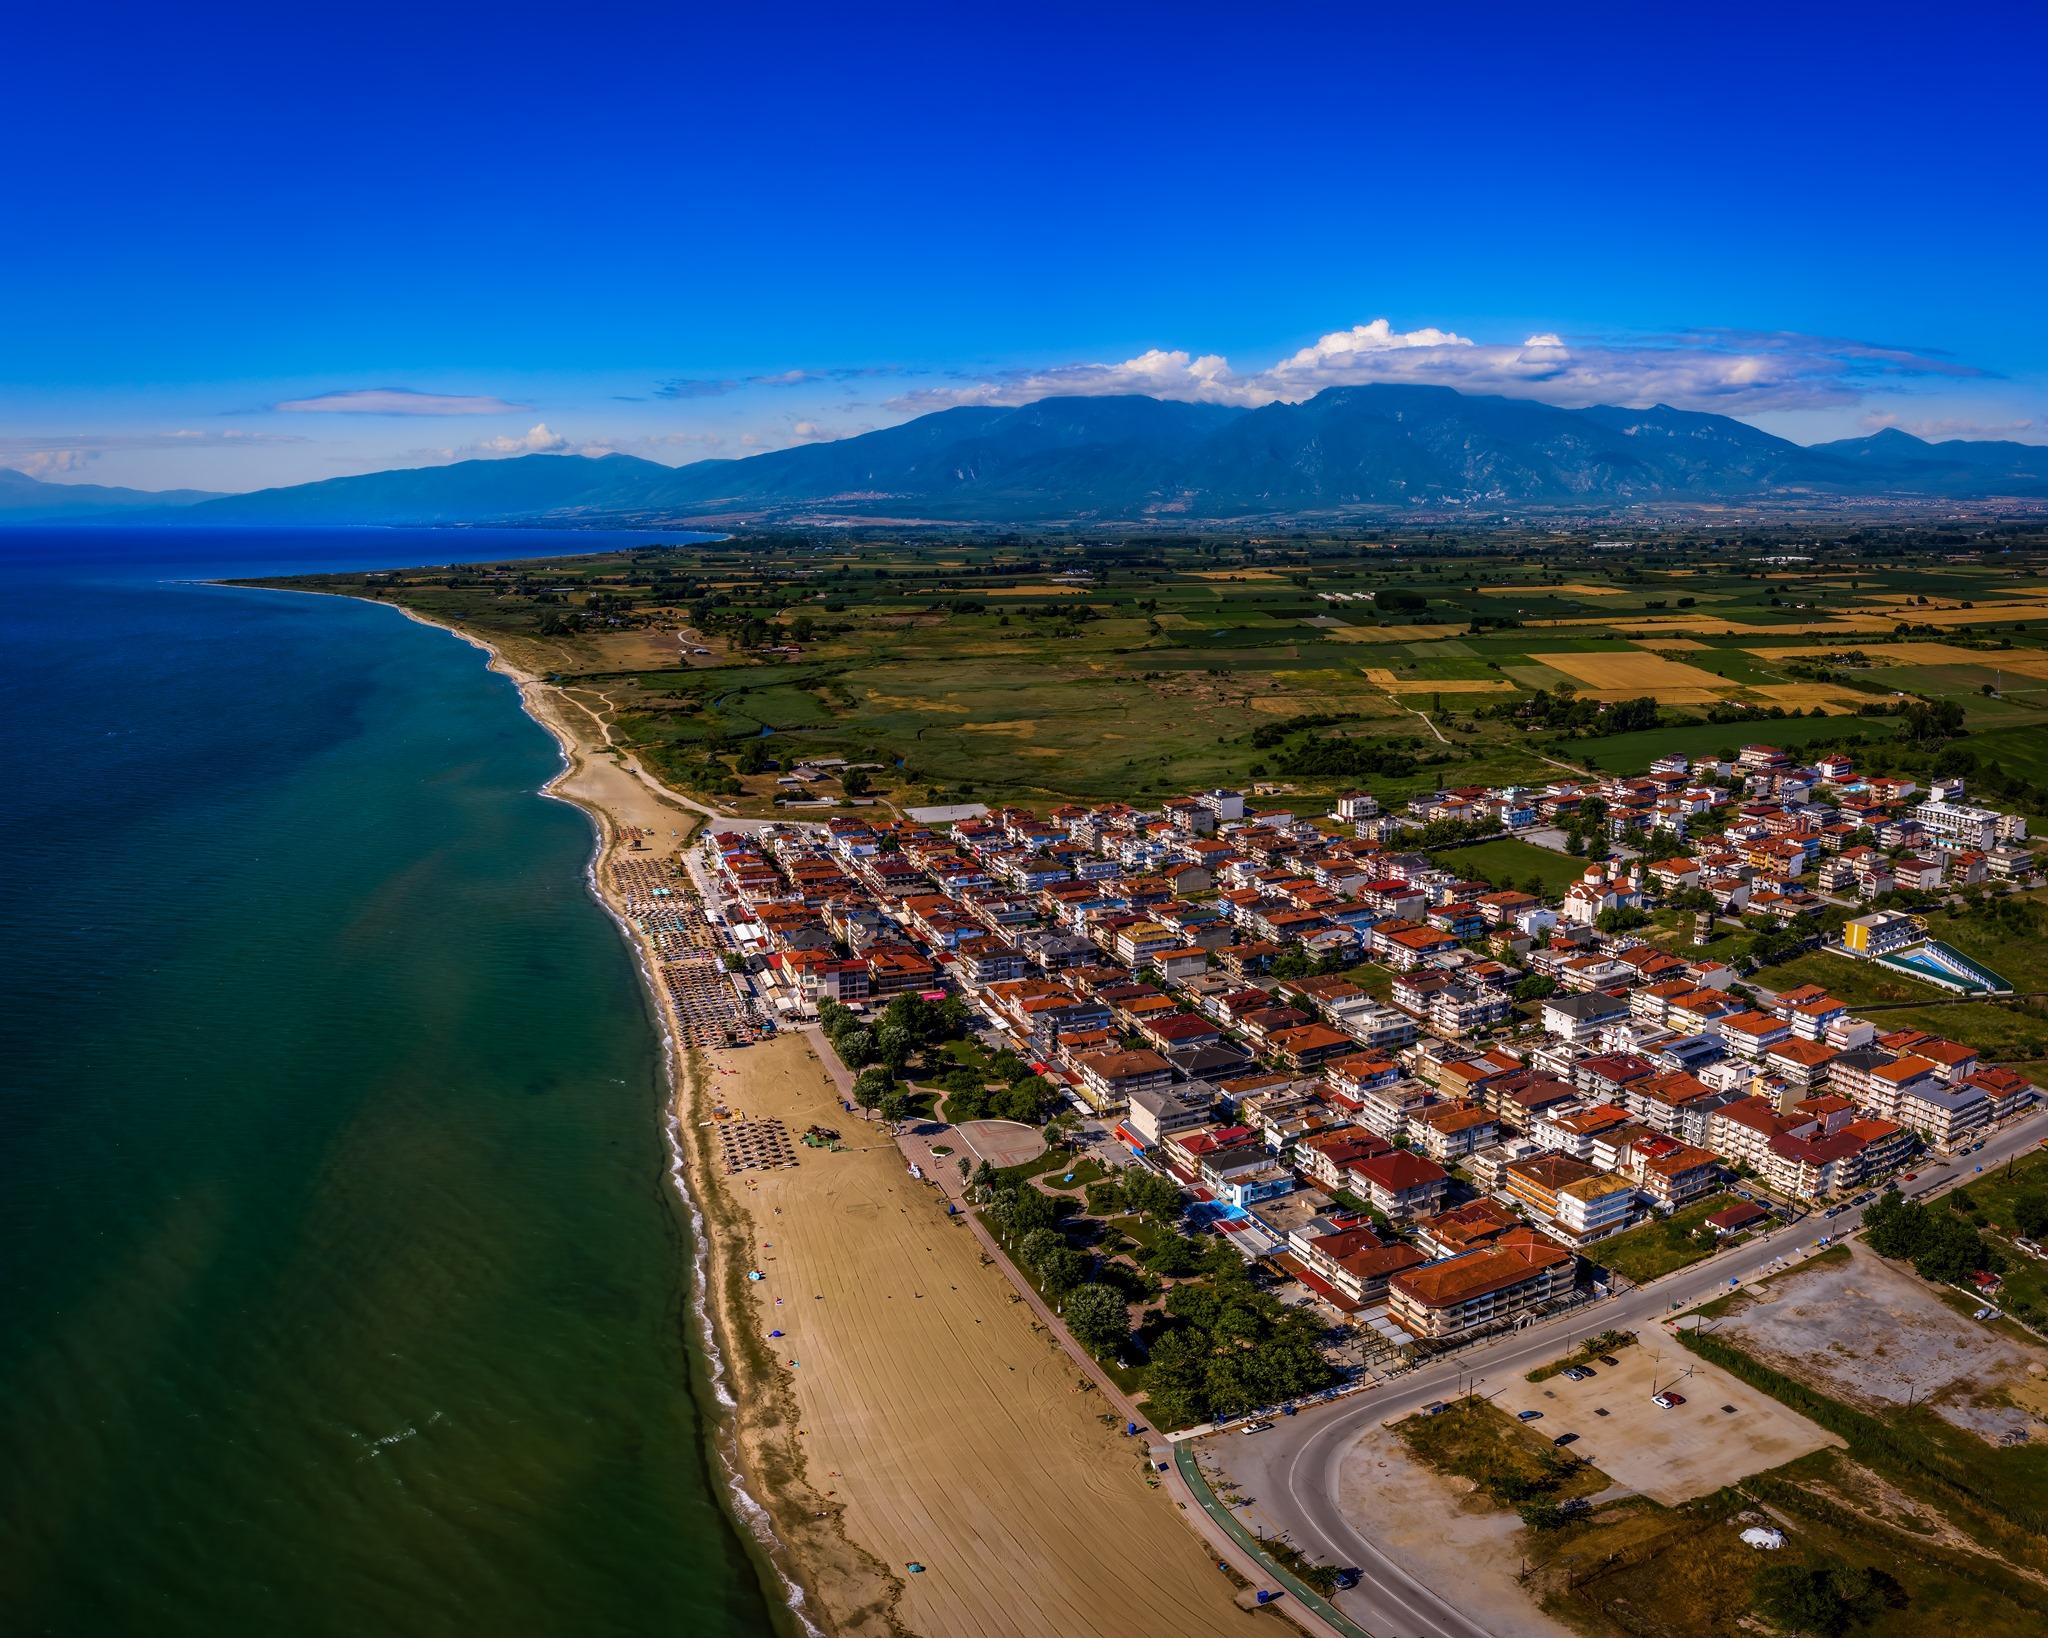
1293,1472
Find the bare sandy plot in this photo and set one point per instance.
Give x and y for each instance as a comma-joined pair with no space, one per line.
1380,677
1002,1142
1876,1336
1433,1525
1673,1455
950,1431
1622,673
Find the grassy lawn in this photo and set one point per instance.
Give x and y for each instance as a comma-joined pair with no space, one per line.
1987,1202
1510,863
1855,983
1473,1440
1664,1246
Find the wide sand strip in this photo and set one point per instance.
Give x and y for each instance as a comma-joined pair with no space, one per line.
949,1428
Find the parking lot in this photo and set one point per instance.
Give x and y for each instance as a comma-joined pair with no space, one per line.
1672,1455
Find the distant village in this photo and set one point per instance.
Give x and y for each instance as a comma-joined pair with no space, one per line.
1428,1099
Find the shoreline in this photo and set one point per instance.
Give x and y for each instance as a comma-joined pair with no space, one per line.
1037,1539
718,1257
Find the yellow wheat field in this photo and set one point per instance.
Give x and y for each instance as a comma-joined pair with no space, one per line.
1391,634
1629,672
1380,677
2025,662
1805,696
1576,587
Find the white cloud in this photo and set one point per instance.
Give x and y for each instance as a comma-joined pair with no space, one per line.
49,455
48,463
1727,371
540,439
396,401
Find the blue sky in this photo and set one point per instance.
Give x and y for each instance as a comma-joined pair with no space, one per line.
253,245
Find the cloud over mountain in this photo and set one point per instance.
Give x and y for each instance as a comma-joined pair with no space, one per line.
1722,370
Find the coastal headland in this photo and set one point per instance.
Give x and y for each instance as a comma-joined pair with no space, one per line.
912,1412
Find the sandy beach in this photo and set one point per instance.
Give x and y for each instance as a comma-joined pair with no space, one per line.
926,1409
913,1411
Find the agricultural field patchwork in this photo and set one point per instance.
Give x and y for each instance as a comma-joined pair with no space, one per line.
1037,671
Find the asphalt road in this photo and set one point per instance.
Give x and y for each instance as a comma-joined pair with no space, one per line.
1293,1471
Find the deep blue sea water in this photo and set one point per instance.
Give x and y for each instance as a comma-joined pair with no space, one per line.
342,1287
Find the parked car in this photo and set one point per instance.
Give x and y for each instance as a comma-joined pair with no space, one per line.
1260,1426
1566,1439
1609,1359
1528,1416
1667,1401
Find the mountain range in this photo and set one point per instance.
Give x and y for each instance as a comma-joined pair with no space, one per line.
29,500
1365,451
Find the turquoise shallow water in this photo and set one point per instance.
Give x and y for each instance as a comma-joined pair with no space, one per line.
344,1290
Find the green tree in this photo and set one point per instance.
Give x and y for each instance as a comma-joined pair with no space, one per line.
1174,1255
871,1086
1097,1317
855,1046
1151,1195
1825,1600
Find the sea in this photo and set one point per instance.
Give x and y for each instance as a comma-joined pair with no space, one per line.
344,1285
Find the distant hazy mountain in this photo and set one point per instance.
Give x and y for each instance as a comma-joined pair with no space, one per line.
1363,451
29,500
1956,466
526,487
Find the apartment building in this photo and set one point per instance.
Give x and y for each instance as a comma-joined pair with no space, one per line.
1481,1289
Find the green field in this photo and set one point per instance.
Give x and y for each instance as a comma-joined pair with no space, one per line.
1510,863
2010,937
1653,1249
1039,670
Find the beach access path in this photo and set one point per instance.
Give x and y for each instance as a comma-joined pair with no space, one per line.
936,1409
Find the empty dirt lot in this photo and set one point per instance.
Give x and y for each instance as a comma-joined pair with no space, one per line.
1877,1337
1674,1455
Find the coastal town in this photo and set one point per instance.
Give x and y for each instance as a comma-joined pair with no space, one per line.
1422,1107
1427,1099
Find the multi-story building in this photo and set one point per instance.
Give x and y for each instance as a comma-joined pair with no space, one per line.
1479,1290
1401,1184
1109,1079
1447,1132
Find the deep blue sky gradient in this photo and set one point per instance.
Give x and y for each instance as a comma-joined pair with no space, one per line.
217,208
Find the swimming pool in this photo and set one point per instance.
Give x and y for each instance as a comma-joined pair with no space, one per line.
1947,966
